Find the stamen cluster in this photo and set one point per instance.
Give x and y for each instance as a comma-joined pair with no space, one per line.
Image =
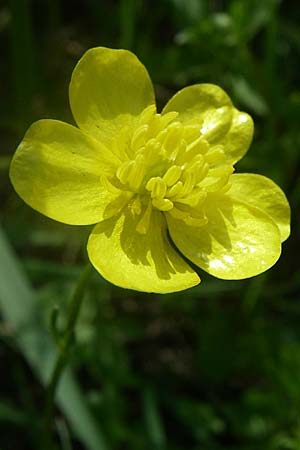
168,166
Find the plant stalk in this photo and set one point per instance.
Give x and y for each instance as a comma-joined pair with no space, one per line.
62,356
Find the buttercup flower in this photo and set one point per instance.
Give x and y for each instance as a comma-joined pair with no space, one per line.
157,185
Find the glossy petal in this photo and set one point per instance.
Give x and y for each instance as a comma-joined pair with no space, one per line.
238,242
57,170
219,122
263,193
144,262
108,90
239,136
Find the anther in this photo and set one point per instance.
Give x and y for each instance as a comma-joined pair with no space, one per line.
138,138
157,186
131,173
195,198
147,114
163,204
188,183
154,125
152,149
124,171
196,167
175,190
167,118
218,184
173,136
178,152
196,222
203,173
172,175
199,145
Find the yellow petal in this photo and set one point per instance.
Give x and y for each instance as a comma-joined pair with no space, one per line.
57,170
263,193
239,137
219,122
239,240
144,262
108,90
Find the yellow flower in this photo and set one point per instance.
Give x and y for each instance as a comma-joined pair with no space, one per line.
158,185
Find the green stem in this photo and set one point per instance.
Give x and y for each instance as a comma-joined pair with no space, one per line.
62,357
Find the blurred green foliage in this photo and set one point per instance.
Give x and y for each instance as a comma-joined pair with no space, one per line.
213,368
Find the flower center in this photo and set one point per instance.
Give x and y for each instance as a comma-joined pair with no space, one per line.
170,167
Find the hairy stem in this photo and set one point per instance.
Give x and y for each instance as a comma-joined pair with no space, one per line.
62,356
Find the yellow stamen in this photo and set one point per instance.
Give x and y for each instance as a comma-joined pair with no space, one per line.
157,186
167,118
163,204
175,190
189,180
147,114
152,150
195,198
173,136
196,222
172,175
138,138
178,152
131,173
154,125
199,146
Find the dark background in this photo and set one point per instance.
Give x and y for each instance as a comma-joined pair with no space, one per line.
212,368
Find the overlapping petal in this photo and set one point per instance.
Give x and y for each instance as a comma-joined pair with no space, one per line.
108,90
264,194
144,262
219,122
102,172
57,170
239,240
